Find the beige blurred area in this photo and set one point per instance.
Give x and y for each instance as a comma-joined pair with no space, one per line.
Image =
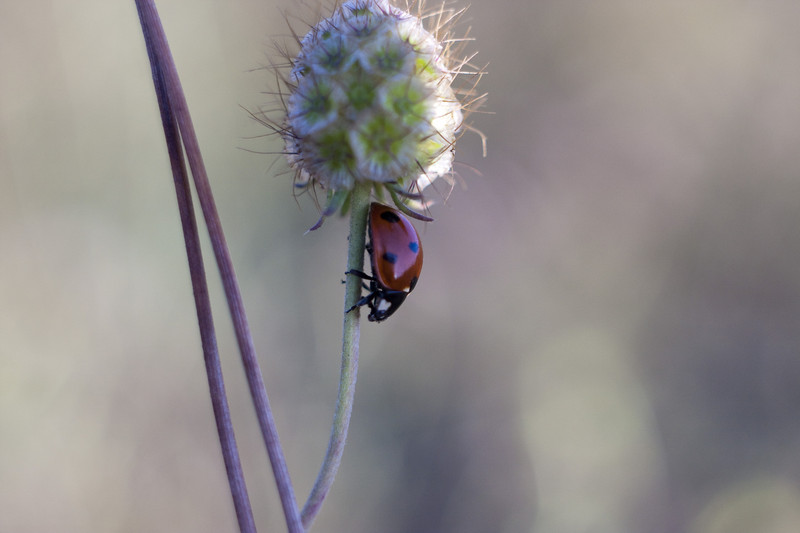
605,337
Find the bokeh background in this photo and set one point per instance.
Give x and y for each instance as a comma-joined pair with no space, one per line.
605,338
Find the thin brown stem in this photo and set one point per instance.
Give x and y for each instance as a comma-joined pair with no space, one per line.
216,384
177,103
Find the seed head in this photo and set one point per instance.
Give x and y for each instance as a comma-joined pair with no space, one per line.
371,100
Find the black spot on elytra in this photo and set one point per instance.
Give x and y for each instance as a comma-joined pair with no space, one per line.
390,257
413,246
390,216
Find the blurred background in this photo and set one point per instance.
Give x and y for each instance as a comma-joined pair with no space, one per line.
605,337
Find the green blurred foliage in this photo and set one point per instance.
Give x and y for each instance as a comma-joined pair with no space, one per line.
605,336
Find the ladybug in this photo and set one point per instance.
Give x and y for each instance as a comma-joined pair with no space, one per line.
396,259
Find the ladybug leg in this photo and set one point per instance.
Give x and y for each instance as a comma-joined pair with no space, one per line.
360,274
369,299
366,300
363,285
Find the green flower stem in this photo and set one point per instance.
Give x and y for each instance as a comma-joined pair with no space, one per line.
350,337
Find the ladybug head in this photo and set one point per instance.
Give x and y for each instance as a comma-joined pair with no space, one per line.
384,304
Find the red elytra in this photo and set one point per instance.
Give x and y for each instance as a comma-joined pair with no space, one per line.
396,260
396,249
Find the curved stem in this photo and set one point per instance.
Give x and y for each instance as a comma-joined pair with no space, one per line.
347,378
216,384
177,101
